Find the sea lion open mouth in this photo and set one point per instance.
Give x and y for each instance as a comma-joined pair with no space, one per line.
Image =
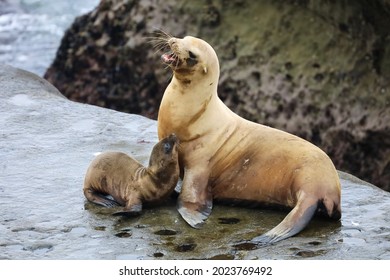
170,58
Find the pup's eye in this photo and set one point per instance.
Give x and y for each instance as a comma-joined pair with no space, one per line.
167,148
191,55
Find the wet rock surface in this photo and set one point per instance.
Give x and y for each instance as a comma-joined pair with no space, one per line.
317,69
46,145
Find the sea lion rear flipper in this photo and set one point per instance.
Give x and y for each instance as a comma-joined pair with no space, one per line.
293,223
100,199
133,208
195,200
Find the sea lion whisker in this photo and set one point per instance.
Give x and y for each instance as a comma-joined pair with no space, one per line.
159,38
162,34
160,49
159,32
158,44
176,60
157,41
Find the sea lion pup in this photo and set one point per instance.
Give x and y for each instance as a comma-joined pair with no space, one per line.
225,157
128,182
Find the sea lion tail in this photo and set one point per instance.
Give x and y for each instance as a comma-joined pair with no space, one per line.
293,223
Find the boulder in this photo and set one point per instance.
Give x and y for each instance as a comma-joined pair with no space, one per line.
46,145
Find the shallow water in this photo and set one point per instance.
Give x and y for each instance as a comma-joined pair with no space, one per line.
31,30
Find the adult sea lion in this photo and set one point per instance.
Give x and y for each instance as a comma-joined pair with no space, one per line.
128,182
225,157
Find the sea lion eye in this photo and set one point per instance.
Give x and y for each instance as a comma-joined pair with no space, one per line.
191,55
191,60
167,148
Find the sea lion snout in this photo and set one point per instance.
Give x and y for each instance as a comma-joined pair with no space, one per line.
179,54
171,57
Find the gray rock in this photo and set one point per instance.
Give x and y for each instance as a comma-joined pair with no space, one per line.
46,144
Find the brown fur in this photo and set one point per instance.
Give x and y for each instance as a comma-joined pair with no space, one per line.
128,182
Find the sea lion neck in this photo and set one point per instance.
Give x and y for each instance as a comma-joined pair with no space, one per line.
189,85
184,77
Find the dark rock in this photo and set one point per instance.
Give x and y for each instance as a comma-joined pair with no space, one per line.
320,70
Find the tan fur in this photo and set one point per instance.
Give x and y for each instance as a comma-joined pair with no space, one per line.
226,157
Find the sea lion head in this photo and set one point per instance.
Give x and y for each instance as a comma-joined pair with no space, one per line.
191,59
164,159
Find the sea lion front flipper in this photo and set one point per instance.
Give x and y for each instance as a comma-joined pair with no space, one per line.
195,200
293,223
194,214
133,208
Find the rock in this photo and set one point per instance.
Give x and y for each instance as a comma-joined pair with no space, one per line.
46,145
105,64
318,70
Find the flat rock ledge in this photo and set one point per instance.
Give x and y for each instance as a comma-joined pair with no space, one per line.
46,145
